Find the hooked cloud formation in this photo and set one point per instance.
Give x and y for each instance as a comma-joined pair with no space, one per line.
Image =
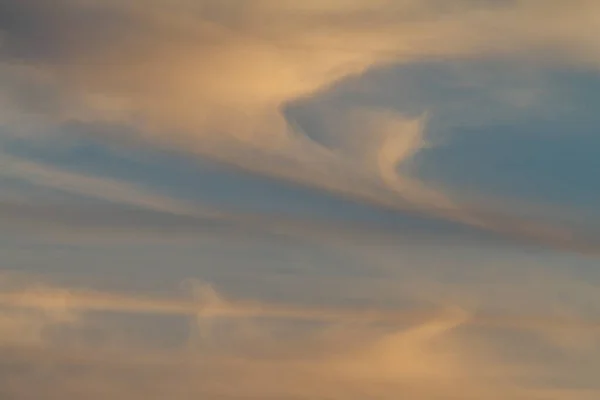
213,78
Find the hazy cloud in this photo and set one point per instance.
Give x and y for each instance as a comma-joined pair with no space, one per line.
429,356
212,77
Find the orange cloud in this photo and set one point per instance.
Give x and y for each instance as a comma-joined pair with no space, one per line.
350,354
212,77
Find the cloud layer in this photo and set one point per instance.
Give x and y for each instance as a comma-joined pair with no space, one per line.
238,351
213,78
216,82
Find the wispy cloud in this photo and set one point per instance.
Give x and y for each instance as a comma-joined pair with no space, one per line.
146,212
355,353
205,302
215,77
90,186
214,81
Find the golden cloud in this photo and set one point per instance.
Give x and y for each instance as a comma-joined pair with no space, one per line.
435,356
213,77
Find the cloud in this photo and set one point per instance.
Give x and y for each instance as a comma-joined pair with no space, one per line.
90,186
30,327
213,77
133,209
208,303
436,356
19,328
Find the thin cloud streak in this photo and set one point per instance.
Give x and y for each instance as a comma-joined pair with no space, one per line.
430,356
170,215
91,186
211,305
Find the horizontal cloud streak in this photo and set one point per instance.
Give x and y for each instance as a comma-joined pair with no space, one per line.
90,186
156,213
210,304
427,355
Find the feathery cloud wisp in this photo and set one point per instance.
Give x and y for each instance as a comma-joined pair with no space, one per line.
213,77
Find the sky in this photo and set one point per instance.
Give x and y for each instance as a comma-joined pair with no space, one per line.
285,199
